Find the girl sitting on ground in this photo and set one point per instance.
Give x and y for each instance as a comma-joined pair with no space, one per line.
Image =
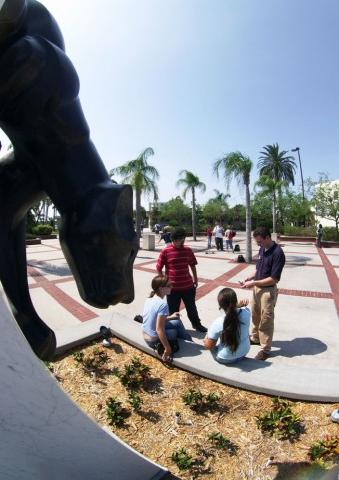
158,327
231,329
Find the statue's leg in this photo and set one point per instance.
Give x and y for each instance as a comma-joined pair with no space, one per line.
19,190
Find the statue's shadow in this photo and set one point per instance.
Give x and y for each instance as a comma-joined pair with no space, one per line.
47,268
296,260
298,346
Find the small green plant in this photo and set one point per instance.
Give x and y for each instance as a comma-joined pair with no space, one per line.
93,361
221,442
212,398
281,421
325,450
135,401
78,356
183,460
116,414
198,402
49,366
135,374
193,398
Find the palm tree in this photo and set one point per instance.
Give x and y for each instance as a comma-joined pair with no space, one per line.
238,166
220,196
269,187
191,182
142,177
279,167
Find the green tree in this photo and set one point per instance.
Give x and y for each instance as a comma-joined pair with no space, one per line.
295,210
220,196
238,166
191,183
279,167
261,211
175,213
142,177
215,210
237,216
326,201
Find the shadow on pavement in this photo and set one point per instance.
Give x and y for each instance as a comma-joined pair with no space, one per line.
61,271
298,346
188,349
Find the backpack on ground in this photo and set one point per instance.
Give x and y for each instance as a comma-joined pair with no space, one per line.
236,248
241,259
138,318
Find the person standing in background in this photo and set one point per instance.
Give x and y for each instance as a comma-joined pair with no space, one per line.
218,233
319,235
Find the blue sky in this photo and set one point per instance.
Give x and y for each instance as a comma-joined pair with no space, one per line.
195,79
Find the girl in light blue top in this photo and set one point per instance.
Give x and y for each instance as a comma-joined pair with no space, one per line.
158,325
231,329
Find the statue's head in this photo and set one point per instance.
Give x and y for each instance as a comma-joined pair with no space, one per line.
100,245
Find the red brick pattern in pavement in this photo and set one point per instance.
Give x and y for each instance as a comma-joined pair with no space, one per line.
75,308
331,276
82,313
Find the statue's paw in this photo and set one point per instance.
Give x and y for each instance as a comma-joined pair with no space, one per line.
40,337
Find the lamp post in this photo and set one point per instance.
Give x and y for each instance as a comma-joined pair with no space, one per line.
297,149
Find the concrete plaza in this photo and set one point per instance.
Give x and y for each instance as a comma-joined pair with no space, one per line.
306,322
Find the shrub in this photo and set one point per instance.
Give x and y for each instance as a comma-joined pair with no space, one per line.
222,443
183,460
281,421
116,414
135,374
298,231
330,234
93,361
197,401
193,398
326,449
135,401
42,229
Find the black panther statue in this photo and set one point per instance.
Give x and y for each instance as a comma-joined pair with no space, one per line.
52,154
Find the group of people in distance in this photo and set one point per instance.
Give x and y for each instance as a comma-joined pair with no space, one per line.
219,233
229,335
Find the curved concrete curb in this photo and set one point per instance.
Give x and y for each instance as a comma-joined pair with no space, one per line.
46,436
301,383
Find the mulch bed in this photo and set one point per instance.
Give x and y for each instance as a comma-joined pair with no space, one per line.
156,433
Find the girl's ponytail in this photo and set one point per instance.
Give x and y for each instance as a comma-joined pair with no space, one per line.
230,336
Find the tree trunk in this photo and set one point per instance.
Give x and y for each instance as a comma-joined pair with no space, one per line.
248,225
138,212
274,213
193,215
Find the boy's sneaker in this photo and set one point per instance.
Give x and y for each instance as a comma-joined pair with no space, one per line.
199,327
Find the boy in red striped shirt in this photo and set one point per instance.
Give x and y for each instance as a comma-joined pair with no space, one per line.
177,260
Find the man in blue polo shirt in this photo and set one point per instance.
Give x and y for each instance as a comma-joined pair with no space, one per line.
271,261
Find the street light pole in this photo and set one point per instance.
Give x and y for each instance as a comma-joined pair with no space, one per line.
297,149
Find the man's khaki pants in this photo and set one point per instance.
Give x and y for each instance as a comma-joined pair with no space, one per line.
262,305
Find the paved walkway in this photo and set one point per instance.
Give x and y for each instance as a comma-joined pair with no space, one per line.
307,311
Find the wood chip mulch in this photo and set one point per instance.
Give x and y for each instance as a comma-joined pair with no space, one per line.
156,433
